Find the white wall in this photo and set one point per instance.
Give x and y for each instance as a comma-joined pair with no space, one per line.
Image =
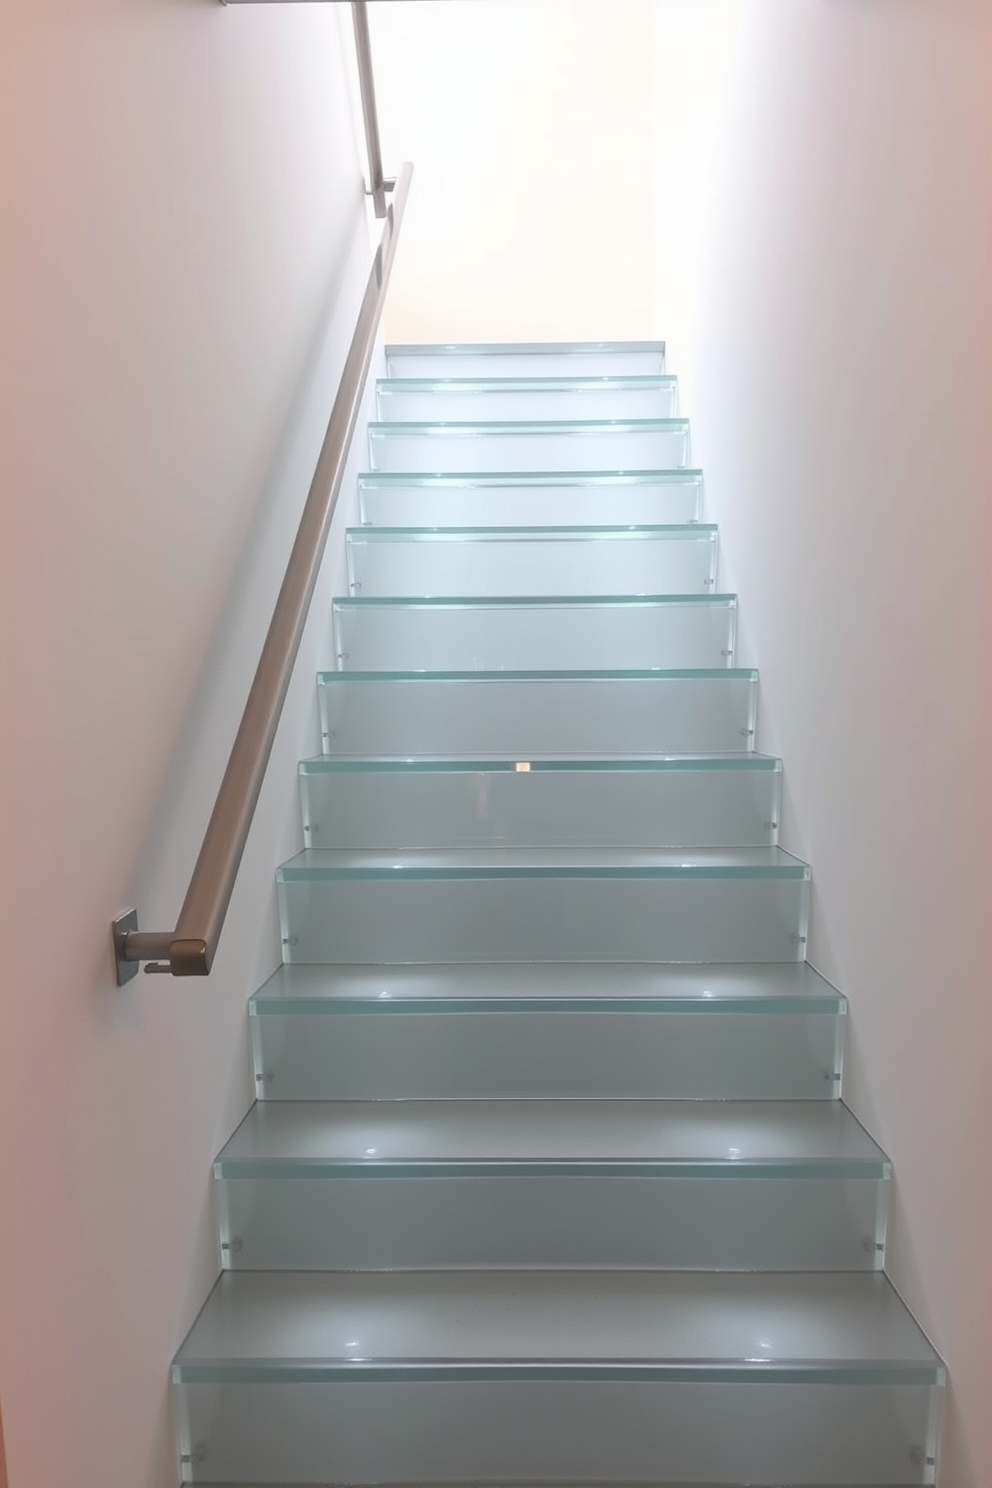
528,124
184,246
827,297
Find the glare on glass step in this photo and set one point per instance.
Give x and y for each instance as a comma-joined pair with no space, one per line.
558,1376
631,444
714,801
694,1185
532,560
527,714
529,359
742,904
540,632
558,1030
472,400
549,499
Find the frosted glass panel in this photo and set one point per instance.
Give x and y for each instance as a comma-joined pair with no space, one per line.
516,635
389,1032
526,561
772,1325
531,359
715,802
562,1431
529,715
315,1220
479,400
644,445
550,1054
549,500
692,1185
749,905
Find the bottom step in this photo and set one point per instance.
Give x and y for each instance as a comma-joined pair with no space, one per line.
644,1377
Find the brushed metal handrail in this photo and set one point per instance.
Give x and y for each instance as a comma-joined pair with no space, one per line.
189,949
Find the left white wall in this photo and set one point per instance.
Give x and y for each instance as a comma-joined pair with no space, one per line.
184,246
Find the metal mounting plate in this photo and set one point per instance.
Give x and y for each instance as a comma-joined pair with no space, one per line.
121,926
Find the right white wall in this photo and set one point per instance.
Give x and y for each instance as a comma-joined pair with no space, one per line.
824,278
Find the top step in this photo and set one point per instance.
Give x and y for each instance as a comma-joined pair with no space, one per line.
529,359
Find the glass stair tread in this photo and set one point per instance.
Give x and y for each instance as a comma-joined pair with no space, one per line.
552,444
753,1327
328,864
468,399
533,601
527,358
551,986
362,764
677,1138
552,382
620,532
547,674
497,428
650,497
514,348
387,480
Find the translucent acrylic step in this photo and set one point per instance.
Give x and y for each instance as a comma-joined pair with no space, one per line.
540,499
715,801
432,1184
532,560
530,714
529,359
538,633
643,444
572,1376
745,904
472,400
772,1032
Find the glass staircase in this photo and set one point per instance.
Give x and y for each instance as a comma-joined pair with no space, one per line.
549,1179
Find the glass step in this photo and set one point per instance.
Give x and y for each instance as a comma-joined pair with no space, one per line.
542,499
694,1185
715,801
539,633
474,400
744,1032
529,359
745,904
532,560
633,444
521,1377
529,714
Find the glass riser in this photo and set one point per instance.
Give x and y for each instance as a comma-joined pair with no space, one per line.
578,359
516,501
543,919
439,448
468,402
829,1435
383,1055
718,807
731,1223
679,562
526,717
374,636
